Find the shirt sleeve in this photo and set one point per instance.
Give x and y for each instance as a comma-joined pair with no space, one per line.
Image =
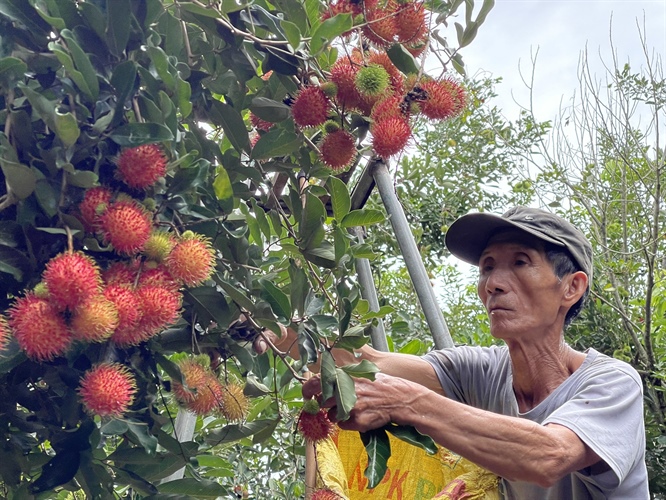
606,413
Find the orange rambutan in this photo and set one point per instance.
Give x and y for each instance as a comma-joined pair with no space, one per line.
5,333
160,308
157,276
129,314
39,328
313,422
410,20
338,149
95,319
234,404
192,260
95,200
70,278
158,245
390,136
121,272
311,107
140,167
127,226
107,390
202,392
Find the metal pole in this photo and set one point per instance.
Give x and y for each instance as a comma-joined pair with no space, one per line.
183,430
410,253
369,293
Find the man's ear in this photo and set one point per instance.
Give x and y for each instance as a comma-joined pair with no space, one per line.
577,286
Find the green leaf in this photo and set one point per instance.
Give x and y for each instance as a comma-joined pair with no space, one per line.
292,33
328,375
122,80
276,298
20,179
13,262
136,134
340,199
66,128
299,287
410,435
82,178
311,228
210,305
345,394
402,59
323,255
364,369
235,432
164,69
329,30
184,93
340,243
59,470
23,12
223,189
118,25
90,84
362,217
276,143
237,296
11,71
270,110
142,434
378,448
47,197
233,125
198,488
44,108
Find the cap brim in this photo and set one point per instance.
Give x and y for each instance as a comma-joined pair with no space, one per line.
469,235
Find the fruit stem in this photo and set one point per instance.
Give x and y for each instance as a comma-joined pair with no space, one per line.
70,239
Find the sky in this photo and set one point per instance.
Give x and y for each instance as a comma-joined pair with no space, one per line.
559,30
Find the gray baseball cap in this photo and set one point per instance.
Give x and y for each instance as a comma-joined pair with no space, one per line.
469,235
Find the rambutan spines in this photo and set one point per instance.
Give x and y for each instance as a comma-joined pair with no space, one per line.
95,319
39,328
107,390
315,427
121,272
311,107
202,392
338,149
5,333
234,404
411,22
372,80
381,26
70,278
390,136
140,167
158,245
95,200
446,98
325,494
389,107
192,260
160,308
260,124
397,79
127,226
343,75
129,314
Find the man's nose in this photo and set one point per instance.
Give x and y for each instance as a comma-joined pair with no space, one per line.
496,280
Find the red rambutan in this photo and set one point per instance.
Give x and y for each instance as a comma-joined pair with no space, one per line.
343,75
70,278
95,200
458,94
234,404
338,149
325,494
5,333
315,426
160,308
107,390
381,26
192,260
390,136
121,272
157,276
129,314
127,226
260,124
389,107
95,319
202,392
311,107
140,167
439,103
410,19
396,77
39,328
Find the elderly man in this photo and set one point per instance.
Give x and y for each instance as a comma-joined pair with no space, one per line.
552,422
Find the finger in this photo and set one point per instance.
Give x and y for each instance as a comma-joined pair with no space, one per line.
259,345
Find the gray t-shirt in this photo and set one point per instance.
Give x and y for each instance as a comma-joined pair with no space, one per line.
602,402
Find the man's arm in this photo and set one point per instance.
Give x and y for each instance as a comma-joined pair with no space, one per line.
516,449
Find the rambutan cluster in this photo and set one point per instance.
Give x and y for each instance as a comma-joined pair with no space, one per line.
313,422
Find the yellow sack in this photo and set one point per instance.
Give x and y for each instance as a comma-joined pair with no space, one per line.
412,473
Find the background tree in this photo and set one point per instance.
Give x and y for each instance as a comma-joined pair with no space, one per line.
173,182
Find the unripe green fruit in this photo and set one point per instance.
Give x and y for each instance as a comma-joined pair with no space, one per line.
331,126
372,80
311,406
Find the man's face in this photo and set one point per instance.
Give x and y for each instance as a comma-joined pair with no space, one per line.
518,287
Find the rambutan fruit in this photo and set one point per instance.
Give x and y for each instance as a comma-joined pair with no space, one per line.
381,28
157,276
390,136
397,79
410,20
372,80
315,425
158,245
5,333
439,103
160,308
311,107
95,200
95,319
192,260
260,124
129,314
127,226
234,405
338,149
343,75
39,328
325,494
121,272
458,94
389,107
342,7
140,167
202,392
71,277
107,390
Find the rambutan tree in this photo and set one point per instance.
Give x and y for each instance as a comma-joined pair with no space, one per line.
175,180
